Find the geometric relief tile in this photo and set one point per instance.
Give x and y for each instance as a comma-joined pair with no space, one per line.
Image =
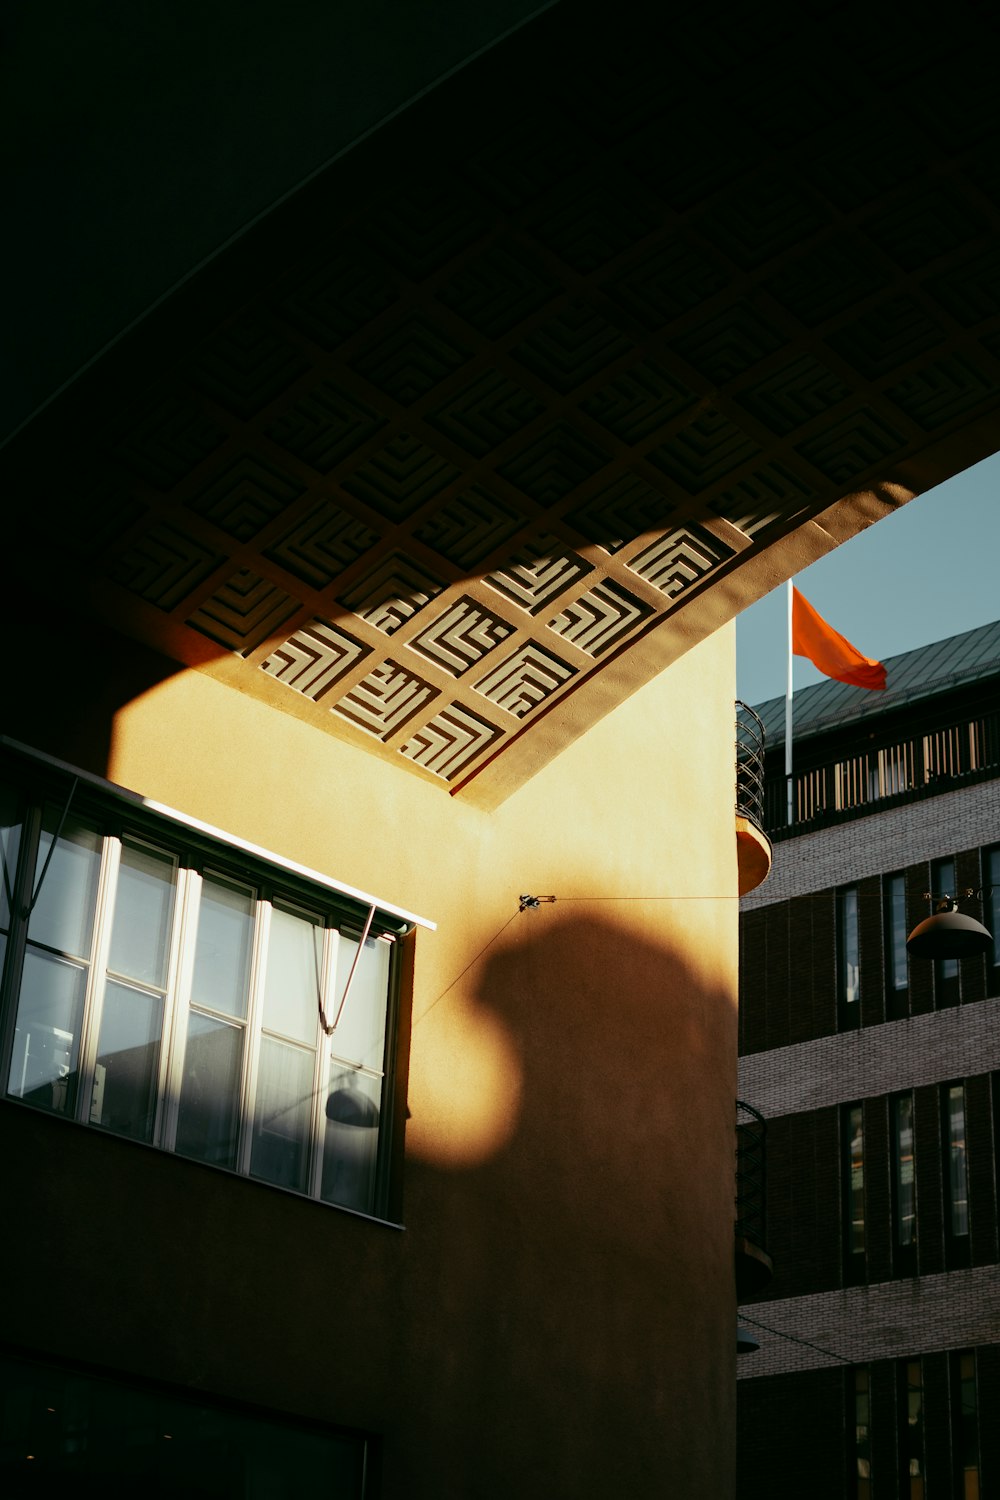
794,394
970,290
621,512
462,636
409,361
498,289
639,400
680,558
163,566
336,296
888,335
322,544
384,701
600,618
324,426
671,281
485,412
245,497
553,465
771,493
243,612
169,441
391,593
314,658
704,451
97,520
853,444
469,527
571,347
538,573
245,366
400,477
420,230
727,344
525,679
937,393
828,279
597,222
450,741
920,228
771,214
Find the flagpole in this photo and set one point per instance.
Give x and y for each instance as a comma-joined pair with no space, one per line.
788,713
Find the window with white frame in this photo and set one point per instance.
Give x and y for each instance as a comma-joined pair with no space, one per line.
191,997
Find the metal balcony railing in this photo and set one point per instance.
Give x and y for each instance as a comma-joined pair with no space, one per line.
749,765
909,766
751,1172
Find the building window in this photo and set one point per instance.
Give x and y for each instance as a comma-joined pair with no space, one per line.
180,993
904,1188
860,1455
965,1424
956,1174
993,905
848,959
69,1432
945,969
852,1127
896,975
912,1465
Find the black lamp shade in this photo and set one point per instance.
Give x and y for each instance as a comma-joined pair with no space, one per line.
949,934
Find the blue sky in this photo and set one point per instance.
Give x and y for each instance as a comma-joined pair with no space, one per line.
928,571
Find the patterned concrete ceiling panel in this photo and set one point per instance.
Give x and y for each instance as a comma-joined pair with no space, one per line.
547,395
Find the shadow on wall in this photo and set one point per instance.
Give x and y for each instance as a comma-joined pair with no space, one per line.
577,1283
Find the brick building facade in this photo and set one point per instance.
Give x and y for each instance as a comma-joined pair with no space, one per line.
879,1077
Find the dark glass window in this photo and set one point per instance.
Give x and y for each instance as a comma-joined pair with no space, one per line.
904,1186
912,1466
965,1424
993,904
896,974
852,1127
68,1433
860,1454
956,1173
848,957
945,969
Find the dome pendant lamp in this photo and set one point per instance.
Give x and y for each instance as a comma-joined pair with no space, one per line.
948,932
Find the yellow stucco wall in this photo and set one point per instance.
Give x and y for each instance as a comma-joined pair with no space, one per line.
558,1315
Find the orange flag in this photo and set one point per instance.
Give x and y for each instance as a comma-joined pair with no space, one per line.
814,639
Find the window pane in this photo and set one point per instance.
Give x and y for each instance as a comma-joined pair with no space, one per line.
943,884
43,1068
896,946
958,1183
360,1033
124,1093
63,916
144,904
994,903
849,978
856,1196
208,1115
905,1188
351,1143
10,840
862,1435
912,1438
222,954
281,1119
292,985
965,1402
